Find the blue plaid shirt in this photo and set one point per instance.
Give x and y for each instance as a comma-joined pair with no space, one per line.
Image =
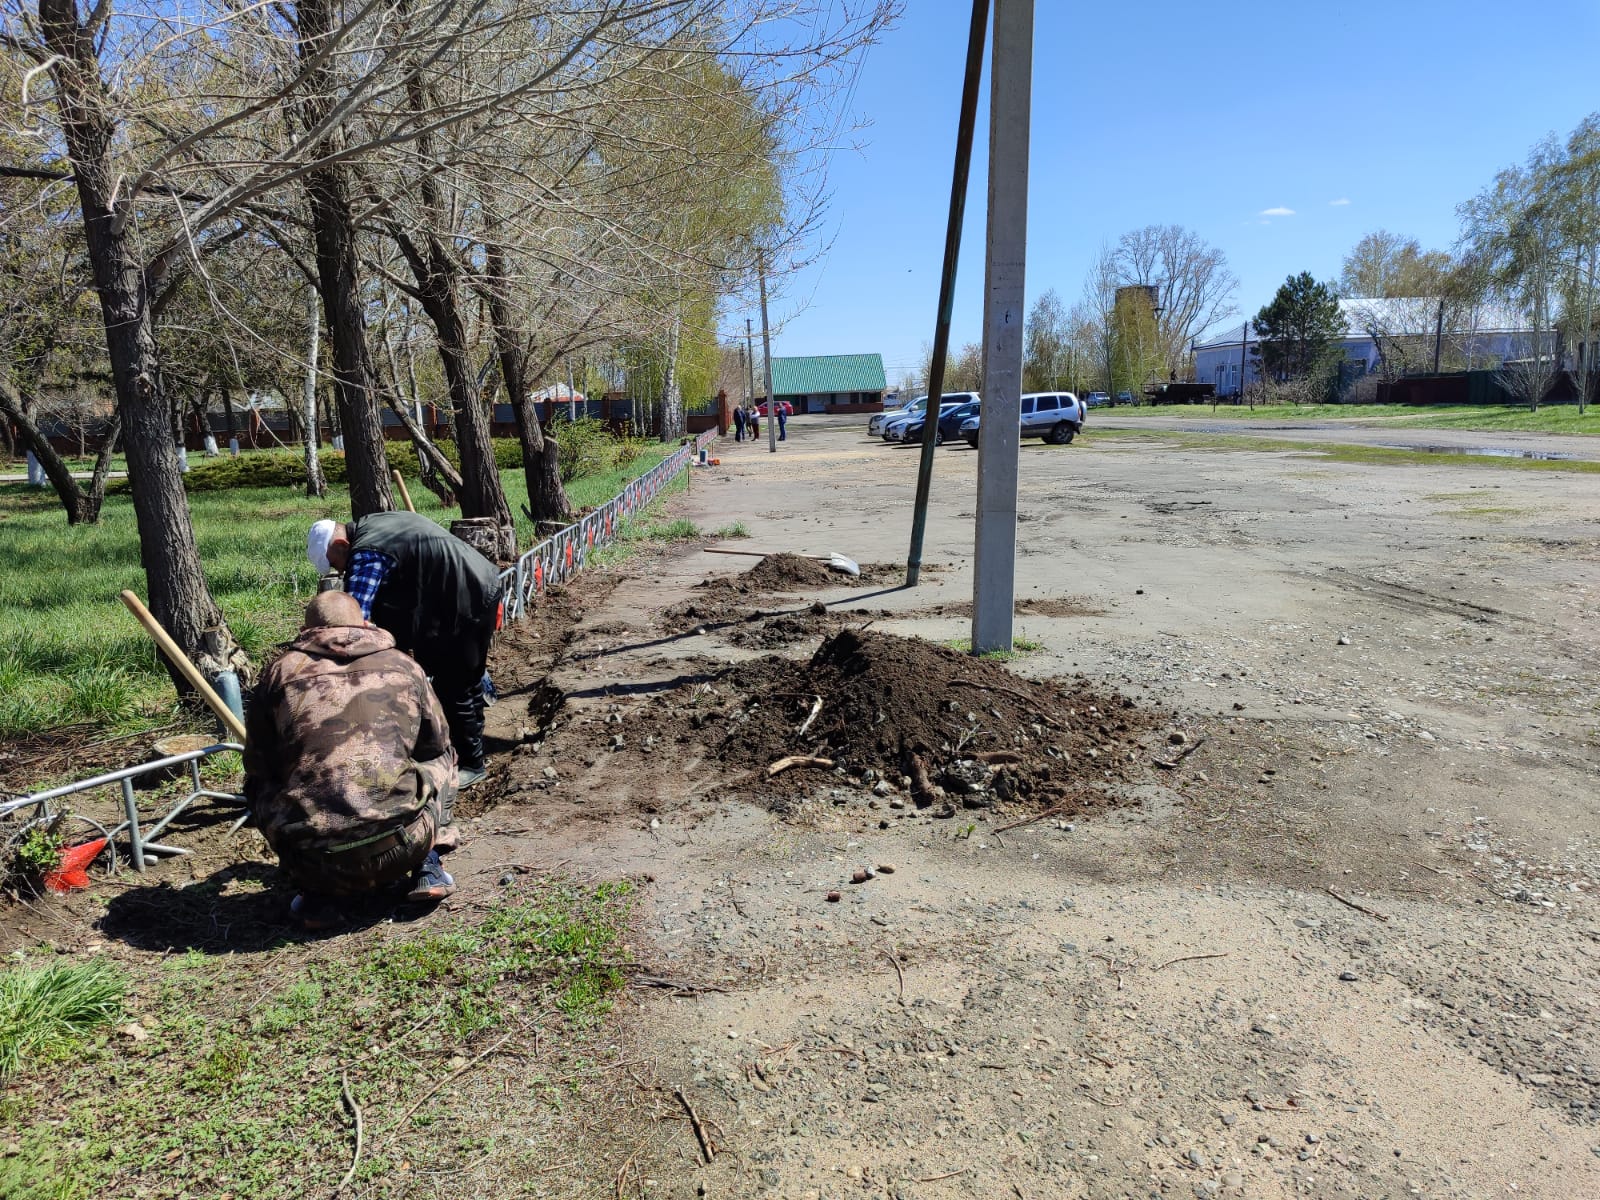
365,575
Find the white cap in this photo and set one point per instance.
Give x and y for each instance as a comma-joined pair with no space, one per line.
317,544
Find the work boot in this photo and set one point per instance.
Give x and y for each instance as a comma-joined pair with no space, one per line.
466,775
432,882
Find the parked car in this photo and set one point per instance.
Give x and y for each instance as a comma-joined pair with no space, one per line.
951,417
894,431
1097,399
1127,398
784,407
879,420
1057,417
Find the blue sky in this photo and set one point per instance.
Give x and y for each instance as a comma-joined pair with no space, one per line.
1157,113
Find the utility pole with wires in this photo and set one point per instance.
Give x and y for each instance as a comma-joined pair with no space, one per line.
749,363
995,536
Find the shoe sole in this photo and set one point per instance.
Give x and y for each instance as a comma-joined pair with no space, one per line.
430,894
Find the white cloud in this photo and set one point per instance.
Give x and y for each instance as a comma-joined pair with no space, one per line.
1279,211
1341,202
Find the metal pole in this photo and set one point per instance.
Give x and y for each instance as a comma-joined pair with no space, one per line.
766,360
947,282
749,363
572,398
995,533
1244,340
1438,336
130,808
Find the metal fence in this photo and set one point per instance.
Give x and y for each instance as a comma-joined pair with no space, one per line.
141,841
558,558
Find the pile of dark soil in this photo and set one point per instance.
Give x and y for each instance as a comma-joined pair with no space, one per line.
729,600
911,719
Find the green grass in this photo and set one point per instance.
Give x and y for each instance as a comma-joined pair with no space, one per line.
1337,452
235,1084
737,530
70,653
1019,647
46,1011
1560,418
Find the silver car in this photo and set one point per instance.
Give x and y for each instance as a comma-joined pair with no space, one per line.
1057,417
876,425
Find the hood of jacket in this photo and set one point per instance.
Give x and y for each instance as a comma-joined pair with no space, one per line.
343,641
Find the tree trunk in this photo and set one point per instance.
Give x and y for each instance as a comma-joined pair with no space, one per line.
227,413
78,507
673,423
442,478
338,273
439,289
547,498
178,596
316,485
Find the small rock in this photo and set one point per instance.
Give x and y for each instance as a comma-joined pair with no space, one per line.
1177,738
1344,639
1313,1138
1307,923
882,788
133,1031
1347,976
1138,591
550,773
507,879
1233,1179
1197,1159
861,876
833,897
1230,1119
885,868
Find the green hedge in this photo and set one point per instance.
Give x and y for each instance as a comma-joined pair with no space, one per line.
587,448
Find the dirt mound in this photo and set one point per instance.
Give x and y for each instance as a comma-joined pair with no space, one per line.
797,573
909,718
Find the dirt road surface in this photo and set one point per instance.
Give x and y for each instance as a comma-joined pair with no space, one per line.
1346,947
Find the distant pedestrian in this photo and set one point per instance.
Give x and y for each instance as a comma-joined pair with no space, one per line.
738,423
755,422
783,420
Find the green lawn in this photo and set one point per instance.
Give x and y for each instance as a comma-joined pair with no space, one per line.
1563,418
71,654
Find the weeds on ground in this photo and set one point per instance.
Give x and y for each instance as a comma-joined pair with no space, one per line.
234,1082
45,1011
737,530
1019,647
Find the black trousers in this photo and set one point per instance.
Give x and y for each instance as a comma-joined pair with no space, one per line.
456,667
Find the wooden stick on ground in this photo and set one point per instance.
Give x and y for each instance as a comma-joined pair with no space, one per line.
1059,810
706,1146
894,959
1187,958
816,707
1167,765
361,1131
1360,908
1030,701
797,760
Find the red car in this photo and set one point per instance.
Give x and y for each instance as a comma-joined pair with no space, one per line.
783,405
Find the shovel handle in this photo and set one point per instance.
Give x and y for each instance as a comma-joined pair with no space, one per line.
404,493
186,668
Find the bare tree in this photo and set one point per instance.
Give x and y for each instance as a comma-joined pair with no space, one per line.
1194,288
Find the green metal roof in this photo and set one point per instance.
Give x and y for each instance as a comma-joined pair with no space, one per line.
828,373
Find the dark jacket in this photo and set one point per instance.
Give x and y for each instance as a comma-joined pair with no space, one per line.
345,740
440,589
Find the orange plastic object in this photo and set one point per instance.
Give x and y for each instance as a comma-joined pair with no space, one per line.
72,871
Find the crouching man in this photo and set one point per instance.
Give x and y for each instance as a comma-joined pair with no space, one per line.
349,771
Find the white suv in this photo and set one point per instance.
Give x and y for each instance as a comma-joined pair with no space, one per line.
1057,417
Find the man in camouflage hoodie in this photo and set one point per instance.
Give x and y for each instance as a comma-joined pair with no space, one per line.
349,772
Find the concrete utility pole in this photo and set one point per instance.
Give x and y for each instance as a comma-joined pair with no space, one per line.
995,557
766,360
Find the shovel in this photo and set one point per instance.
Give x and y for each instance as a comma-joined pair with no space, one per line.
836,562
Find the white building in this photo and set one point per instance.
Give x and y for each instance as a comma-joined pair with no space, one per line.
1485,336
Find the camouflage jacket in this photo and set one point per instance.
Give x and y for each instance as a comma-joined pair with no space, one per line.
344,741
